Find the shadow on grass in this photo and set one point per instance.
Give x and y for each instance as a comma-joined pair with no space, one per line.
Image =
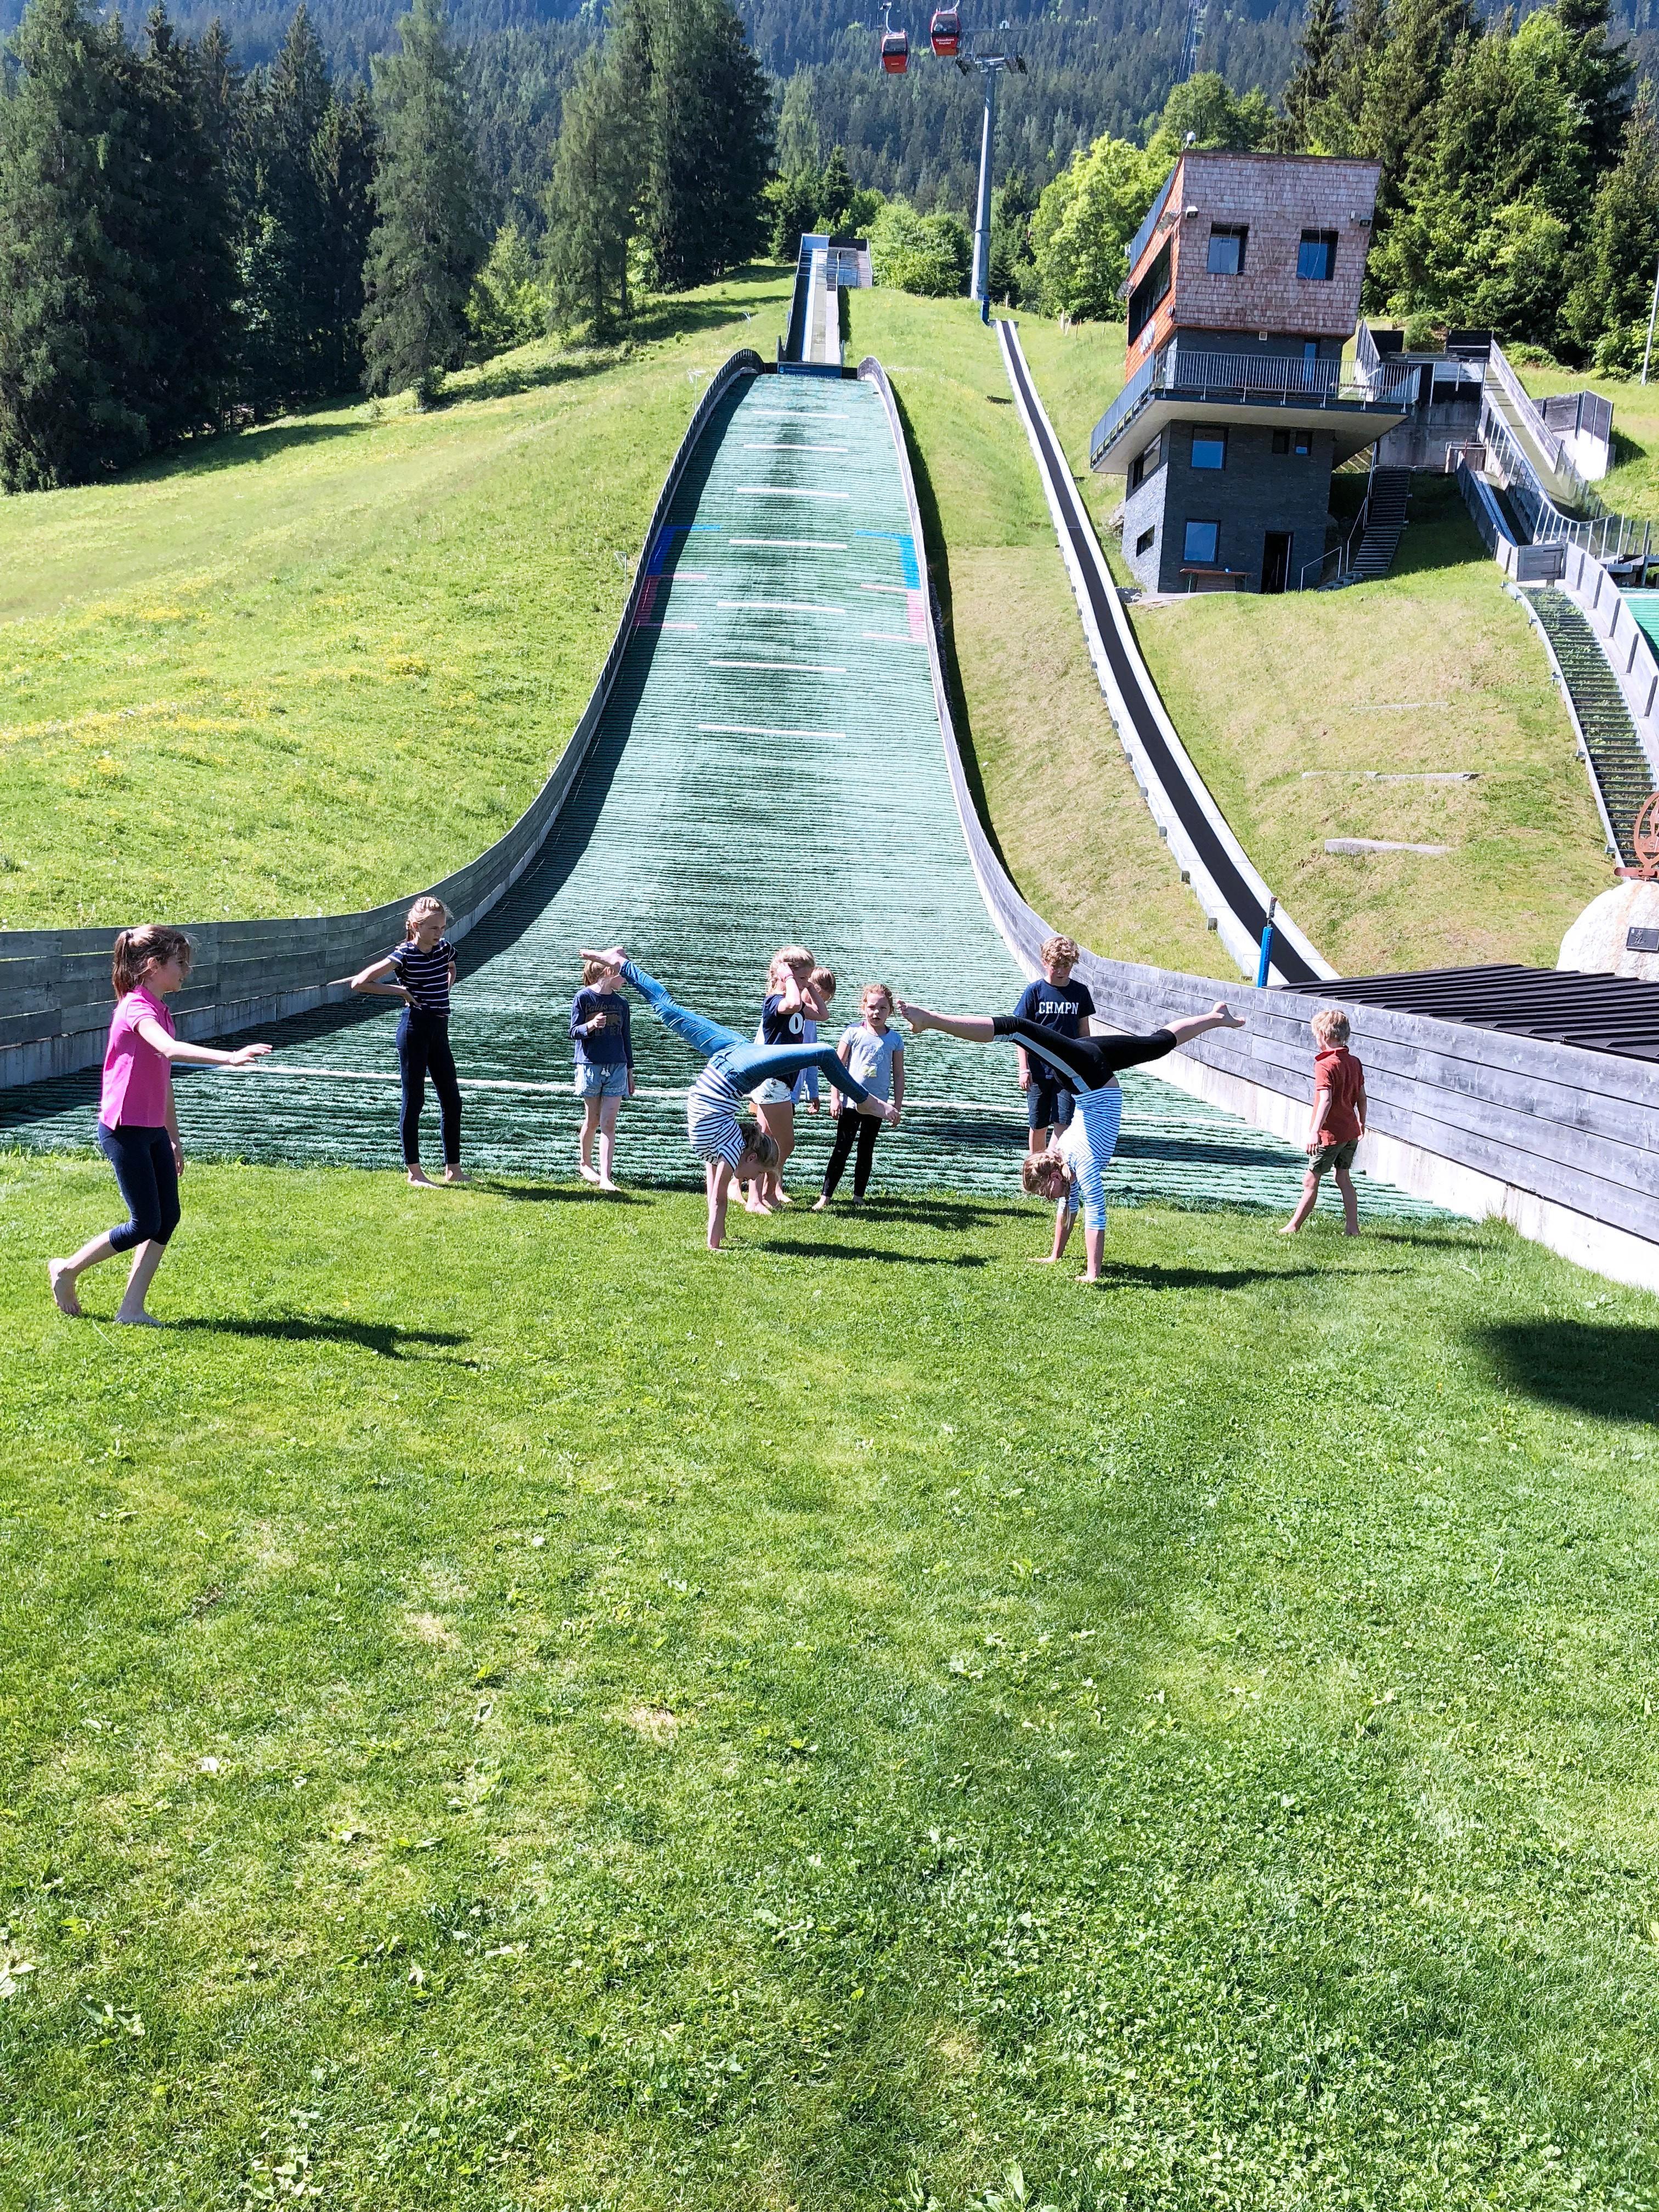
387,1340
1440,532
555,1193
799,1248
1154,1277
1609,1369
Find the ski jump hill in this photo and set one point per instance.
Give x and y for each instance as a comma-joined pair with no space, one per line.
769,756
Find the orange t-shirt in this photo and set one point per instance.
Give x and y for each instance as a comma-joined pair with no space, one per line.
1338,1072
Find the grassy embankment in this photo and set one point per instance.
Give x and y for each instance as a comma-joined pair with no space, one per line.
1292,707
352,685
480,1733
1631,485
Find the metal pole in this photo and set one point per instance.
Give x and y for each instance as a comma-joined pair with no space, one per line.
982,283
1647,349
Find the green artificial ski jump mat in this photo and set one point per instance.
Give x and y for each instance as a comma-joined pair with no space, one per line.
769,769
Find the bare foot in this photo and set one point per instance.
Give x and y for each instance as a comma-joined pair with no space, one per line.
1290,1229
63,1288
139,1320
820,1205
455,1174
1042,1260
606,1183
587,1171
1226,1018
783,1199
421,1179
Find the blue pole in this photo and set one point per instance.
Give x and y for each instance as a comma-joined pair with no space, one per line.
1267,959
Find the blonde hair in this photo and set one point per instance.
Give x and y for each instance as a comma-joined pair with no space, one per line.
794,958
1060,948
418,912
592,969
824,983
763,1148
136,951
1330,1025
1037,1168
876,991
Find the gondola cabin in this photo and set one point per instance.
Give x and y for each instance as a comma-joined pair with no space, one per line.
895,52
945,33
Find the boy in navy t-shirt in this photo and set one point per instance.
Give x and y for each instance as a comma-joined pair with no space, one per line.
1058,1004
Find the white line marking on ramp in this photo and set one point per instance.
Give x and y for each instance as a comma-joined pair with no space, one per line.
299,1069
794,449
899,591
758,730
789,491
785,668
782,607
795,545
892,637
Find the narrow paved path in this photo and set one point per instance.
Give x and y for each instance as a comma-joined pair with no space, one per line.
769,769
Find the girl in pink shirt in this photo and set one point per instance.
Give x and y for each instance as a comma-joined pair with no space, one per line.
137,1127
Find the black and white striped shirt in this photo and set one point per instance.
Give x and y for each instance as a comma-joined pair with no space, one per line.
425,975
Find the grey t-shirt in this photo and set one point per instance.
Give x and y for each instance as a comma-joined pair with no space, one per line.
871,1057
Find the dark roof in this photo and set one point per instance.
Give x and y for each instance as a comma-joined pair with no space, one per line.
1598,1014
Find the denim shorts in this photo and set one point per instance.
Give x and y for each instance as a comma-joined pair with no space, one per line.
773,1092
1049,1105
1333,1156
600,1080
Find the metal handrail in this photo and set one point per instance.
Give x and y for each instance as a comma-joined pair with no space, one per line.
1523,402
1603,536
1173,369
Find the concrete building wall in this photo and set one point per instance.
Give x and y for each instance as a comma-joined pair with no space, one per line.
1276,196
1256,492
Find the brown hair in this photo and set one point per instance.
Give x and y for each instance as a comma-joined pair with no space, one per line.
592,969
420,907
876,991
139,949
1037,1168
1330,1025
824,983
1061,948
762,1148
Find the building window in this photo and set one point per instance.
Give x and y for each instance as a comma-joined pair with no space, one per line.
1144,543
1310,350
1281,442
1152,287
1209,449
1227,248
1303,444
1144,462
1198,546
1315,257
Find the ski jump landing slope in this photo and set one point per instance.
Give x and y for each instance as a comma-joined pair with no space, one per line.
768,767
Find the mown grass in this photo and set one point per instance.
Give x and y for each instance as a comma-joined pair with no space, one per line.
1294,707
353,684
504,1709
1053,783
1631,485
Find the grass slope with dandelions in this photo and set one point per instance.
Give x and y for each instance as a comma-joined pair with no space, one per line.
478,1737
1295,709
323,663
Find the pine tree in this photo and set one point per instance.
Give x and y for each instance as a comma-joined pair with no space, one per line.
1608,309
1310,83
427,242
593,201
68,313
343,157
1599,75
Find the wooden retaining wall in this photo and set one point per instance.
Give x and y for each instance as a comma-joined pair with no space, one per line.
1562,1143
55,996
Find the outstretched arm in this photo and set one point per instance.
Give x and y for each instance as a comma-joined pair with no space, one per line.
199,1055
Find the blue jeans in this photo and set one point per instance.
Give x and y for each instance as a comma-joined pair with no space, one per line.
148,1178
747,1066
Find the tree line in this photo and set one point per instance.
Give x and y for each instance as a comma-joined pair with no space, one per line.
185,244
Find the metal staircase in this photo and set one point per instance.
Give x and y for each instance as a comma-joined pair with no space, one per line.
1385,518
1616,758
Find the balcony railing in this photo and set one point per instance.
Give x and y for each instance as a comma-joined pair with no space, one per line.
1179,369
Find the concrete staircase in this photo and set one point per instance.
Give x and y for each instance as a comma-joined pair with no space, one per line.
1617,761
1385,517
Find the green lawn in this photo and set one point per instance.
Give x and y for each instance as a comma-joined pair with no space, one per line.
491,1722
353,686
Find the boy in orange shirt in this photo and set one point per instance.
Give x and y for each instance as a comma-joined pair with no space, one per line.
1338,1123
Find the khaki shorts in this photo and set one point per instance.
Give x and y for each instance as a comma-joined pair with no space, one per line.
1333,1156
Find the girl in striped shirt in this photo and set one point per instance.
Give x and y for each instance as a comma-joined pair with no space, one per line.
421,972
713,1106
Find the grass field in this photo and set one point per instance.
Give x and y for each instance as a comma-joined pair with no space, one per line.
479,1737
1054,784
354,685
1295,707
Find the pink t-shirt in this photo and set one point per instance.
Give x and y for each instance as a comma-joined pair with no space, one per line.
137,1080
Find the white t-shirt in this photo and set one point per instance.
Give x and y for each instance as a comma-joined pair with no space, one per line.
871,1057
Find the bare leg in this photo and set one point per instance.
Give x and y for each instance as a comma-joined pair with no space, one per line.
720,1187
63,1274
585,1166
1220,1017
976,1028
1350,1203
1094,1245
1304,1204
607,1141
145,1260
778,1121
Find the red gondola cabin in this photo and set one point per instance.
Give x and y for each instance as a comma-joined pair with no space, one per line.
946,32
895,52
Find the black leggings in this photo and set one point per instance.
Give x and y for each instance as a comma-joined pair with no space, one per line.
1091,1062
424,1050
148,1177
849,1125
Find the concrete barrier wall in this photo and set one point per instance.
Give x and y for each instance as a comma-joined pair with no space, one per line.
1563,1144
55,995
